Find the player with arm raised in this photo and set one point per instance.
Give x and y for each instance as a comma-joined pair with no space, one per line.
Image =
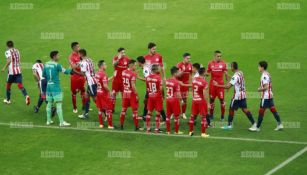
217,69
239,97
184,76
173,98
120,63
266,98
130,95
14,72
155,97
54,91
103,99
77,80
87,69
199,102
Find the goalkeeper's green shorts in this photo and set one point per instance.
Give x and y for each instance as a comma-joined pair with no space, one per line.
54,97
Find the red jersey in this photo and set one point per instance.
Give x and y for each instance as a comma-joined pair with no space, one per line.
128,77
101,80
217,70
74,58
199,84
173,88
154,84
120,67
154,59
186,69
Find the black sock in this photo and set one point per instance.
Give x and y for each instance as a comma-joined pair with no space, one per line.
260,118
39,102
230,119
145,111
24,91
208,119
8,94
250,117
163,115
276,116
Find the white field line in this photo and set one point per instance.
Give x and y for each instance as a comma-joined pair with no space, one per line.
290,159
163,135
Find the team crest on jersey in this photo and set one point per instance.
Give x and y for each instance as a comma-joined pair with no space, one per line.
220,66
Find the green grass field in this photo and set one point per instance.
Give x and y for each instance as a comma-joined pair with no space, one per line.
84,149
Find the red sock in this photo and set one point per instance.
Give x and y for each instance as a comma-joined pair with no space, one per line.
148,122
109,114
177,124
191,123
203,124
222,108
168,124
100,117
135,118
74,101
122,117
158,121
211,108
113,101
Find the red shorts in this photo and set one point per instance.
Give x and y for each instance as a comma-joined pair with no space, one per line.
184,91
199,107
117,85
216,92
155,103
173,107
130,100
103,101
77,83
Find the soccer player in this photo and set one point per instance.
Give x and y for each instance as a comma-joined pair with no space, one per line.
173,98
199,102
130,95
217,68
184,76
267,97
77,80
54,92
154,58
120,63
14,72
87,69
155,97
195,69
103,99
38,68
239,98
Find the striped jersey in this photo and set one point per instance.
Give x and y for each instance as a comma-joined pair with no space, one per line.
266,79
14,67
238,82
87,67
38,68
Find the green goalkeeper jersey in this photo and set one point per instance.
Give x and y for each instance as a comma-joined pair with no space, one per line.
51,74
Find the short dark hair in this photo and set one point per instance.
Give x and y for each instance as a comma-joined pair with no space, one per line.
83,52
154,67
185,55
174,70
38,61
151,45
120,49
263,64
141,59
217,51
100,63
131,62
234,65
73,44
196,66
201,70
10,44
53,53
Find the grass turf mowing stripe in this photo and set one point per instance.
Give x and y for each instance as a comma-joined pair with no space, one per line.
290,159
143,133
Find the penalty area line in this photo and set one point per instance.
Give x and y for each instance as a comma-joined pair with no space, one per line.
286,162
163,135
